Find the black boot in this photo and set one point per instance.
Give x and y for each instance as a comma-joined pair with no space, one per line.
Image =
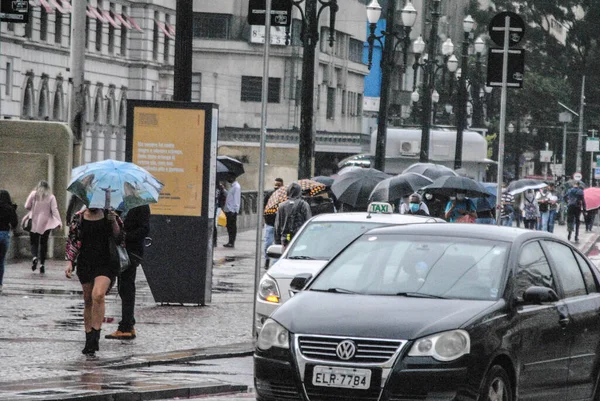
88,349
95,344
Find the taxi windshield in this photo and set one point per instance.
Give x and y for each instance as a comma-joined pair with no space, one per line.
462,268
323,240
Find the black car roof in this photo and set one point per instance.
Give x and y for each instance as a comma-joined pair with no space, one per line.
480,231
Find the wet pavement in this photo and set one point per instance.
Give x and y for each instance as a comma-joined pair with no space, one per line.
179,350
41,333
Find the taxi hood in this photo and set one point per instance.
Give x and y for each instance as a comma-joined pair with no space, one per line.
370,316
290,268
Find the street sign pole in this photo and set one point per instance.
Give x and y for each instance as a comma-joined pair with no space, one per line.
500,179
261,166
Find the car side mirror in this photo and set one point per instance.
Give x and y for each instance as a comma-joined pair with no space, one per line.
539,295
300,281
275,251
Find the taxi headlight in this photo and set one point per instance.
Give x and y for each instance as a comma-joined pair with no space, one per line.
444,347
268,290
273,334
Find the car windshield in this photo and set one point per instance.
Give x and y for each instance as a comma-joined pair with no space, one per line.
324,239
416,266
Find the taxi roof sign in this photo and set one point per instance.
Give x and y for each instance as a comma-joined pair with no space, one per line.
380,207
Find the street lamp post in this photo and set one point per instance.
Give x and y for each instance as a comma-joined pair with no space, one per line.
476,93
310,39
461,121
428,81
409,15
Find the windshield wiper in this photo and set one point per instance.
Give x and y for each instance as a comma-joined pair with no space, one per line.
301,257
419,295
335,290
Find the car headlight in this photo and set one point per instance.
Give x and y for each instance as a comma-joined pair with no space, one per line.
444,347
268,290
273,334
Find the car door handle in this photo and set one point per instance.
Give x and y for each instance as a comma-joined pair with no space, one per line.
564,321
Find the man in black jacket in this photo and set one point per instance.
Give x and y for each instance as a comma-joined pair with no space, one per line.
291,215
136,225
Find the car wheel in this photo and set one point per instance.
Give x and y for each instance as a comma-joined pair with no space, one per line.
497,386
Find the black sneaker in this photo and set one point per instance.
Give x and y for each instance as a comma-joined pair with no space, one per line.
228,246
42,269
34,263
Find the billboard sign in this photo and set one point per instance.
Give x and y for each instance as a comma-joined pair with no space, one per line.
177,143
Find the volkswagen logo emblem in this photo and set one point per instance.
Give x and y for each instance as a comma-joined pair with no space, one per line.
346,350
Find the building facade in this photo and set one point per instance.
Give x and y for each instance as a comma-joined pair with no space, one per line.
130,55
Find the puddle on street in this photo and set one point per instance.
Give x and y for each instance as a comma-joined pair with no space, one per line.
225,287
54,291
74,319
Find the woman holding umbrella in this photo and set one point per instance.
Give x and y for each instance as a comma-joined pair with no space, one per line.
88,248
103,187
459,207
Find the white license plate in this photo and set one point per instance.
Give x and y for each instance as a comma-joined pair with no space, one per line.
327,376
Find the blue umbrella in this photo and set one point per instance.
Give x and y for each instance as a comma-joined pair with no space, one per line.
115,184
487,202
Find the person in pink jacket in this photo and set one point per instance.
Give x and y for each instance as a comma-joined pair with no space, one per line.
44,218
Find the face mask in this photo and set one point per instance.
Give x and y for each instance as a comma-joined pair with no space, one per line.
428,196
460,197
414,207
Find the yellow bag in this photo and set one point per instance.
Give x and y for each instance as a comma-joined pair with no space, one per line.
222,219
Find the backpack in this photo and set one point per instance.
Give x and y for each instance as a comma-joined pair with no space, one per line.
529,210
295,219
320,205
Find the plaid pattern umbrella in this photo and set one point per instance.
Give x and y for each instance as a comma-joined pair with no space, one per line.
309,188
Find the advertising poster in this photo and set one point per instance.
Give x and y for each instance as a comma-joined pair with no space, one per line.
169,143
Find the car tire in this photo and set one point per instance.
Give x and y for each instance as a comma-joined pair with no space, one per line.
497,385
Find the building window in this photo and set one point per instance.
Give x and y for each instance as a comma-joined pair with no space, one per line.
8,79
252,89
110,107
28,98
58,104
98,35
331,103
359,104
167,44
58,27
196,87
344,102
155,37
44,99
123,35
98,106
356,50
298,91
87,31
29,25
212,26
111,31
43,25
123,108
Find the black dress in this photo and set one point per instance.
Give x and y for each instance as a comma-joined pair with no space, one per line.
94,256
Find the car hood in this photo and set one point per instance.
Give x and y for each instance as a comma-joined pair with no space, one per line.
290,268
371,316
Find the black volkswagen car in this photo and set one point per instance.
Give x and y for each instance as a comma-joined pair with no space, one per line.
438,312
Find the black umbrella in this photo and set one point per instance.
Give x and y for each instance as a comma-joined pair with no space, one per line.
354,187
519,186
394,188
327,181
233,166
450,185
430,170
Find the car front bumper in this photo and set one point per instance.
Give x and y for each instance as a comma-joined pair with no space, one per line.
278,377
